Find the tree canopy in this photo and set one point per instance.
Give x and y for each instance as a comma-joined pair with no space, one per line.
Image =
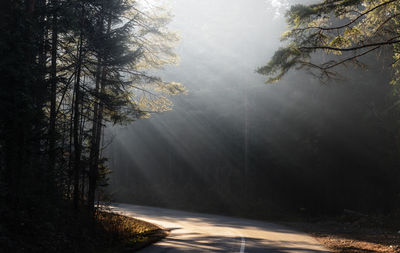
346,29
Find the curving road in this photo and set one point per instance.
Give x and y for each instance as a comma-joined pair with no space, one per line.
195,232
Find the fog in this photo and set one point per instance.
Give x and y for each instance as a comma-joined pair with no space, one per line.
234,143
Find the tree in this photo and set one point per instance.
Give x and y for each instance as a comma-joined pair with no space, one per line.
122,90
331,34
69,68
347,29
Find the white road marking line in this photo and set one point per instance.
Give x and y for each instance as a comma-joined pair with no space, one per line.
242,245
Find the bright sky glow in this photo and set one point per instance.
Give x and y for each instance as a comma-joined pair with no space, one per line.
279,7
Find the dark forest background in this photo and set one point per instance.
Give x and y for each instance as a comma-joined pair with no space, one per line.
237,146
300,146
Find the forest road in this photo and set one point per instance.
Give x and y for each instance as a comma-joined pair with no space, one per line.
196,232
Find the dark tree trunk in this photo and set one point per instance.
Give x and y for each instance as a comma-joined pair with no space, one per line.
53,89
76,126
97,128
92,165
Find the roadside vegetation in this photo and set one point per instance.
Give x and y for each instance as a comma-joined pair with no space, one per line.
126,233
67,231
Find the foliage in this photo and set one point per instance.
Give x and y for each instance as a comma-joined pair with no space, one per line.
69,68
349,29
331,34
122,227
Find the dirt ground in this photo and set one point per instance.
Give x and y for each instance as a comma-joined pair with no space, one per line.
352,237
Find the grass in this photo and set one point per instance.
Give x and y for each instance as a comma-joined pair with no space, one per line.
128,234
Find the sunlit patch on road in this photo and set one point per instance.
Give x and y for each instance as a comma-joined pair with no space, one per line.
194,232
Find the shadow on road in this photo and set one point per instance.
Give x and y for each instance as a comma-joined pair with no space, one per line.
199,243
196,232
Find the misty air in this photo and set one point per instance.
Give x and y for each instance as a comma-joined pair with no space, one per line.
200,126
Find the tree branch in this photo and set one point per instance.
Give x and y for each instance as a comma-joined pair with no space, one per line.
389,42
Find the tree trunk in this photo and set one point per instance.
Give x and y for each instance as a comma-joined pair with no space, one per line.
92,165
53,89
96,129
76,127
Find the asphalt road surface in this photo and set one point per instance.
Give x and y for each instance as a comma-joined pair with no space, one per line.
195,232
